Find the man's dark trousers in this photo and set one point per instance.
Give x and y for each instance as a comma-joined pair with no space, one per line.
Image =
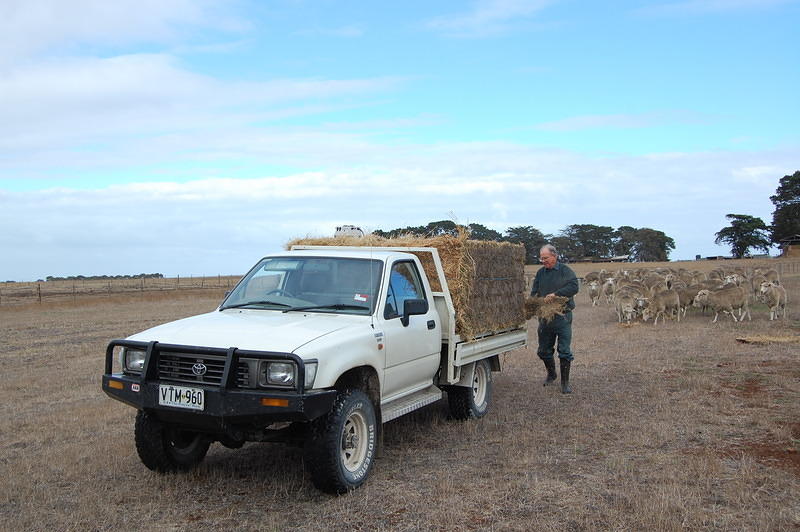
558,329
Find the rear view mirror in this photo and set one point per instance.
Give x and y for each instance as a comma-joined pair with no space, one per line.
413,307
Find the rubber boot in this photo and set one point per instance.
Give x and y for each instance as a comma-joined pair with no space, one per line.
550,364
565,376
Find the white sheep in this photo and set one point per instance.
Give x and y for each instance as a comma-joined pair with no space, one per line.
661,303
725,300
774,296
594,292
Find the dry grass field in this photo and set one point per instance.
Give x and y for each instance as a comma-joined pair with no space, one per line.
670,427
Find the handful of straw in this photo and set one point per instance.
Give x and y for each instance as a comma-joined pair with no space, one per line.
545,310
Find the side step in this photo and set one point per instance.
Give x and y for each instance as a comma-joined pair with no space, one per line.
409,403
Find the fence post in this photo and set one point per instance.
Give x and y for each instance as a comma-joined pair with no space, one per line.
39,291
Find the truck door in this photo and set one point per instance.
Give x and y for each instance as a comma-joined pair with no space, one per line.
412,351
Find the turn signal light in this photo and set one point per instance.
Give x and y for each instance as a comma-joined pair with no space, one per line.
267,401
116,385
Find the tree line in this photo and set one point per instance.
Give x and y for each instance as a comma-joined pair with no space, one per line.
105,277
747,232
575,242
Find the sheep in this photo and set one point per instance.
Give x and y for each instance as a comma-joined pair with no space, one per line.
661,303
608,290
594,292
774,295
591,276
654,279
772,275
725,300
625,302
686,296
755,284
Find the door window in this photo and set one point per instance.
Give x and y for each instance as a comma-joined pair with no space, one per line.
404,283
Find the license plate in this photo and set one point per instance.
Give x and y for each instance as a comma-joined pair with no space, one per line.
181,396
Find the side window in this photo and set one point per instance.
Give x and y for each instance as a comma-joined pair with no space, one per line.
404,283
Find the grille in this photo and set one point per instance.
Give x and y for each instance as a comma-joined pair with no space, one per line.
177,367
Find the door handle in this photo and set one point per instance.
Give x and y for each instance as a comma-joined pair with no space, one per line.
431,324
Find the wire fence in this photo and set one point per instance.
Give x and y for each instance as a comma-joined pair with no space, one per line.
13,293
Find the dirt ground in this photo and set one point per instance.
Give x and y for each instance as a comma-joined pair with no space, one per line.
670,427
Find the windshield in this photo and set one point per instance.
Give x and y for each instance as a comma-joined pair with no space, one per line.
315,284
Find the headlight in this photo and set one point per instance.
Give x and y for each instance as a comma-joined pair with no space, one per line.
311,374
279,373
132,360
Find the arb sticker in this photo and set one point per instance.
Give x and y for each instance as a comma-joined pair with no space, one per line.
361,297
134,387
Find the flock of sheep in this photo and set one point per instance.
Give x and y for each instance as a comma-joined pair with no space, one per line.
666,292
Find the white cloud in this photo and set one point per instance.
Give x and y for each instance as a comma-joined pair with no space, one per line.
221,225
33,26
487,17
148,104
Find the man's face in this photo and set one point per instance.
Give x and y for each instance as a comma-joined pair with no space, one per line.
547,258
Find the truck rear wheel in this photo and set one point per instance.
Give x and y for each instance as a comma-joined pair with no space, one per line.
166,449
341,451
473,401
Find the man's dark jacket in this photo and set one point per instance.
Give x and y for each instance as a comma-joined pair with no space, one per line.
559,280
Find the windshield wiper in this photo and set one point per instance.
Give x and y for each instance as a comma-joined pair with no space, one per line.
266,302
338,306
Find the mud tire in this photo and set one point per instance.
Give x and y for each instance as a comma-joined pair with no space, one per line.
166,449
343,444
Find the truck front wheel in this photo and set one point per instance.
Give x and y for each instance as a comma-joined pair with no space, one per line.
341,451
166,449
472,401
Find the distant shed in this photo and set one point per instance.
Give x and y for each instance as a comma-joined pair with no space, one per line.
790,246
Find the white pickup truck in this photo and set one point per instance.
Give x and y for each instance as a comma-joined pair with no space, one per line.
317,346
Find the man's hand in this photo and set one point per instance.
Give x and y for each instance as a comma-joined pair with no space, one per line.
549,297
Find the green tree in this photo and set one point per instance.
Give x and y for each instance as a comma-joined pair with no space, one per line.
588,240
743,233
786,218
438,228
442,227
530,237
481,232
568,251
650,245
624,240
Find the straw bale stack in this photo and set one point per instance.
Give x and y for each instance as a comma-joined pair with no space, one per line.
486,278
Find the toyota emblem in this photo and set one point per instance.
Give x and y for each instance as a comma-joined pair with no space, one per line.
199,369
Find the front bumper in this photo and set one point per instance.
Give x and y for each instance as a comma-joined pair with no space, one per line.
226,406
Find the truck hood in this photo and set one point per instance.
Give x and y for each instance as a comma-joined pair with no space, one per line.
258,330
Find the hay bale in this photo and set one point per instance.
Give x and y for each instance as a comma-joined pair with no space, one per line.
545,310
486,279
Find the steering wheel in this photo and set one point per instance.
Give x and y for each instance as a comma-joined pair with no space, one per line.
279,292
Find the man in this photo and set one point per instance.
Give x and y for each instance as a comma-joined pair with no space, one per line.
555,279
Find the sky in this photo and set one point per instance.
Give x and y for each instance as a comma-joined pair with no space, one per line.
193,137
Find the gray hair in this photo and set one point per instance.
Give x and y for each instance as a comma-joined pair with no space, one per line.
550,248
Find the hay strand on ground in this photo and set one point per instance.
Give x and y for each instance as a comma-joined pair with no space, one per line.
763,339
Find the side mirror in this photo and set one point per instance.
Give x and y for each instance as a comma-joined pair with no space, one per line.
413,307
